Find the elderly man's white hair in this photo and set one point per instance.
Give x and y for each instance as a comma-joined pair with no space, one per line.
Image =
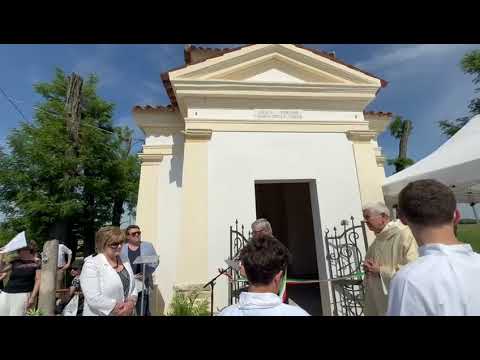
378,208
263,223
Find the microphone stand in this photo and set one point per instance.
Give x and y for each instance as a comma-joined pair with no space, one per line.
211,283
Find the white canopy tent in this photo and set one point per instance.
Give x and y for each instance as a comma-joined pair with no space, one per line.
456,163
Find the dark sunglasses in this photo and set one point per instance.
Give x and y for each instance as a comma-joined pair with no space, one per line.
135,233
115,245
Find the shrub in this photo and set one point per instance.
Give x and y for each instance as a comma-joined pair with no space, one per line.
35,312
188,305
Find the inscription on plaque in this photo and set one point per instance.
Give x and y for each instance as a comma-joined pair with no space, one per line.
278,114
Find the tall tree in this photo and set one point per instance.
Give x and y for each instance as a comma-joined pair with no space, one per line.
35,194
470,64
401,129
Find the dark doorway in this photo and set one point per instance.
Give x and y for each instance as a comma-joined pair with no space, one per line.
288,208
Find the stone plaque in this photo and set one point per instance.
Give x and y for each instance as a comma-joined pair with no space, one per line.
278,114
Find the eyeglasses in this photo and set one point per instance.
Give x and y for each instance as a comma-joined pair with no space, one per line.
136,233
115,246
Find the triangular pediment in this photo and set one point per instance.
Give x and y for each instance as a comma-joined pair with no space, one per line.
276,68
274,63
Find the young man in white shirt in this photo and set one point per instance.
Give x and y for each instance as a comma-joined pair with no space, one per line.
264,261
62,266
444,280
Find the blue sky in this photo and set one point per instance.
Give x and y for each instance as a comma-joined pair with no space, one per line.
426,83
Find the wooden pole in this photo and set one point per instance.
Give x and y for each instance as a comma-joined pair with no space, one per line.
73,108
48,280
73,101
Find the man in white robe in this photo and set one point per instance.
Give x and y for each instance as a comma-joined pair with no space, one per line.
394,246
264,260
445,279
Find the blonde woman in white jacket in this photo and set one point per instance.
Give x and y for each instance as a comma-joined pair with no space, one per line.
107,283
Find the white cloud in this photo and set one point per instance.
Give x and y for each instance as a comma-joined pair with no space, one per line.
164,56
398,55
101,63
426,85
454,100
106,72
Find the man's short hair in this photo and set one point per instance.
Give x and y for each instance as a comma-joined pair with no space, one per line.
264,223
378,207
130,227
427,203
263,258
108,235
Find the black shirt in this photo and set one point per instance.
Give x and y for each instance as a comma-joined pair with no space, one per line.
125,281
22,276
132,255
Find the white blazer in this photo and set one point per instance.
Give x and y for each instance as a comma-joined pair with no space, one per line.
102,287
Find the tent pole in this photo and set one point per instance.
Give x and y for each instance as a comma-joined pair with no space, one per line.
475,212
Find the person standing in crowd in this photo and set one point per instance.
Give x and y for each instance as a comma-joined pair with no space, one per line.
62,266
264,259
107,282
134,248
76,270
21,291
260,228
2,275
444,280
394,246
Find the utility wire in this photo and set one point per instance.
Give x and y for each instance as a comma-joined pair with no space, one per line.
17,108
82,124
13,104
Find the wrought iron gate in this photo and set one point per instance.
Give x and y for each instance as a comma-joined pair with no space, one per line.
345,259
237,242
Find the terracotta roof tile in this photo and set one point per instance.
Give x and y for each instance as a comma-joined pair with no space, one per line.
168,108
205,53
377,113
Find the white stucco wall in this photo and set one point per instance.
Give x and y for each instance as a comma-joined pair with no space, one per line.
237,160
168,194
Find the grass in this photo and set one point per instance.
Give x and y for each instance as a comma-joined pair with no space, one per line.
470,234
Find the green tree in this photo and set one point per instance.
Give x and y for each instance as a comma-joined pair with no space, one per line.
401,129
470,64
450,128
46,180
